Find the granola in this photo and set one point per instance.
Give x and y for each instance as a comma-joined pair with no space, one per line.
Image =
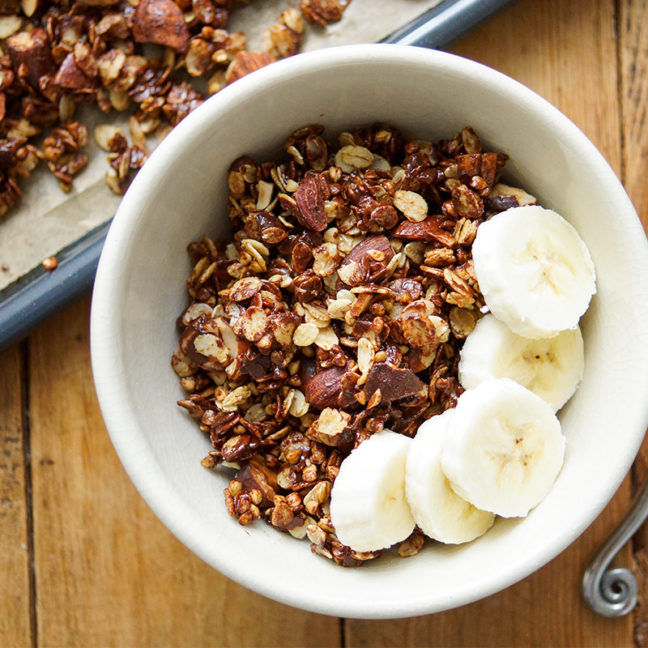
338,309
126,55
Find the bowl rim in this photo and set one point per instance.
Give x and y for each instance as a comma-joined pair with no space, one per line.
106,346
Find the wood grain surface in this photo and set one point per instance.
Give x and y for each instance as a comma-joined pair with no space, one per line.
633,98
15,568
84,562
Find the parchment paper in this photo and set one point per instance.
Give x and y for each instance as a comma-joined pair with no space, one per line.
46,219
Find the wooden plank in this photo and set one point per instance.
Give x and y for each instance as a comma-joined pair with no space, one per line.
108,572
633,49
633,36
15,602
565,50
543,610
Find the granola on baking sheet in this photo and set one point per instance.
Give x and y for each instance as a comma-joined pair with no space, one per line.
124,55
338,309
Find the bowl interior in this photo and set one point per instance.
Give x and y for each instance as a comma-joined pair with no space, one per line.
181,195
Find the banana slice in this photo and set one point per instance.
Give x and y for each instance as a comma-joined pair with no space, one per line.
439,512
368,506
504,448
552,368
534,270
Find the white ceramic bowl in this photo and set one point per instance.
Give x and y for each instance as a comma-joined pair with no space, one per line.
181,194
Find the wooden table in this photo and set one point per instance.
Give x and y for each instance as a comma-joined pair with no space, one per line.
84,562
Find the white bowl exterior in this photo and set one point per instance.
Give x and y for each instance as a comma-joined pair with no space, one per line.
181,195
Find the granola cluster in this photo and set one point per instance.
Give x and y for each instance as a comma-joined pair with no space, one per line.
337,310
135,55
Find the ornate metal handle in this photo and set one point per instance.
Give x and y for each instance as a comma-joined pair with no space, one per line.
613,592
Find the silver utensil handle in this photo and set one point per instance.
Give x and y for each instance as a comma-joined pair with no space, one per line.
445,23
613,592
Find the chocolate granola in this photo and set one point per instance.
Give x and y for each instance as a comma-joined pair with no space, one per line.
338,309
126,55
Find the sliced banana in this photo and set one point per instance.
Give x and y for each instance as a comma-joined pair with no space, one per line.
552,368
534,270
368,506
438,511
504,448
